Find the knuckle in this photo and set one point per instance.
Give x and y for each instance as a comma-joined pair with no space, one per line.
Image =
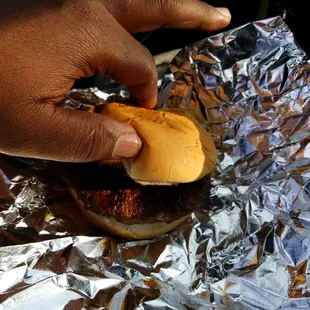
114,6
150,69
207,8
87,10
149,66
166,7
90,19
90,143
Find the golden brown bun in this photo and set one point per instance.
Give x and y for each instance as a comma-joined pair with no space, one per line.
176,148
131,231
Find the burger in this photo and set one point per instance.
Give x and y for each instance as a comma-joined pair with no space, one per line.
156,191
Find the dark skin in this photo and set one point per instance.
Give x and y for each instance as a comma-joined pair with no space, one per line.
46,45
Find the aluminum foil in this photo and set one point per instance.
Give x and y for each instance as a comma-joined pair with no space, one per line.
249,249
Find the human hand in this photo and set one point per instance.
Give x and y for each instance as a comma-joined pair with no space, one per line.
46,45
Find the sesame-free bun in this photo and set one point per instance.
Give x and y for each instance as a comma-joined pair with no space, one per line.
175,147
132,231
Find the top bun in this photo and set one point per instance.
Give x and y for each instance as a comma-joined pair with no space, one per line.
175,147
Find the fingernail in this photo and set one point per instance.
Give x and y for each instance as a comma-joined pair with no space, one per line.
127,146
224,11
148,103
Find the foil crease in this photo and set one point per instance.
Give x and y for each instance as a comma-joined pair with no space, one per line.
249,249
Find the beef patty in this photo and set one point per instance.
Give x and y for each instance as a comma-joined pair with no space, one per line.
108,191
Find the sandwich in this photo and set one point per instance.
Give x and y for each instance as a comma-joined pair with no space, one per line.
156,191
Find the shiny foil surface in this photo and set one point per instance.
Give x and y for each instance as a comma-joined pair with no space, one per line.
248,249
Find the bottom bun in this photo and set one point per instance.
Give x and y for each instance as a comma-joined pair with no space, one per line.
131,231
116,204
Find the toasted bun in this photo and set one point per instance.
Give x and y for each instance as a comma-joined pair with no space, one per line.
133,231
176,148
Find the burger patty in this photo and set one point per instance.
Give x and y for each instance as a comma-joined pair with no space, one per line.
147,204
107,191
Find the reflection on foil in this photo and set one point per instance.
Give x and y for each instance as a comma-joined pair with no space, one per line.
249,250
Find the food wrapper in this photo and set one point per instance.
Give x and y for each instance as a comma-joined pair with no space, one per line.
248,249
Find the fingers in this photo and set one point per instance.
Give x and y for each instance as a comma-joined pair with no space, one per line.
132,65
111,51
183,14
48,132
199,15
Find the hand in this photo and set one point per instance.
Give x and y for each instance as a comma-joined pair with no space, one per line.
46,45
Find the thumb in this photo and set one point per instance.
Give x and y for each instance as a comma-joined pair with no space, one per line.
48,132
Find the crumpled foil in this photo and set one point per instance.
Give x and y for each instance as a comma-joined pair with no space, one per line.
248,250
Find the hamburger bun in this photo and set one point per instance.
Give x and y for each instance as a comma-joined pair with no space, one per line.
175,147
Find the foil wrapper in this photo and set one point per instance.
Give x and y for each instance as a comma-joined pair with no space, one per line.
249,249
